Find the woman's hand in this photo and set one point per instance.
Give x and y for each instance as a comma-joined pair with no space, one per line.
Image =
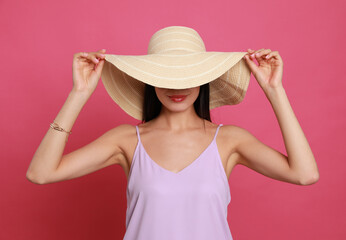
269,71
87,68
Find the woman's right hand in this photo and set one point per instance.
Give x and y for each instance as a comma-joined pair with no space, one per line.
87,68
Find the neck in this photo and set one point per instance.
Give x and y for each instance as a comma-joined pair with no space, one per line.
179,120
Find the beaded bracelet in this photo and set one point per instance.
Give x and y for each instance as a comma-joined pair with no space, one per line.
55,126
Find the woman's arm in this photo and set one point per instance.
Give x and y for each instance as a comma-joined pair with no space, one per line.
47,156
300,157
86,74
300,165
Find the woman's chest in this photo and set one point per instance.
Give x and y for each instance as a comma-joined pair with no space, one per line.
174,155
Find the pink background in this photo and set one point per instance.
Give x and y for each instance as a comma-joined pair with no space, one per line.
38,40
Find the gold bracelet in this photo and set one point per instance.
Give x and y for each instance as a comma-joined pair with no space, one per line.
55,126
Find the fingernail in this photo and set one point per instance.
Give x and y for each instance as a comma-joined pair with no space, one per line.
102,55
253,55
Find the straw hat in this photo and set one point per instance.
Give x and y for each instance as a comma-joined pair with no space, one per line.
176,59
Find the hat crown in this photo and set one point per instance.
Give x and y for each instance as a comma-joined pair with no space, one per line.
175,39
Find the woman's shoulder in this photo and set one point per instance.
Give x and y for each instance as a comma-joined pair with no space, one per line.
124,138
122,129
234,134
233,130
122,135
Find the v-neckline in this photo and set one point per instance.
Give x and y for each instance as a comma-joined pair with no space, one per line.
185,168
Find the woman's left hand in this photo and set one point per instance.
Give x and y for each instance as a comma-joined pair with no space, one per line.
269,71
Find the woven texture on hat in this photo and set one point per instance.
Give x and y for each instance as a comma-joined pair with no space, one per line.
175,38
176,59
179,72
224,91
128,92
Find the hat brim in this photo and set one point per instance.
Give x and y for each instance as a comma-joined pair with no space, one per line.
125,76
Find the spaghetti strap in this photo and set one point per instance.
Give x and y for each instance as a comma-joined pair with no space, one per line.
137,131
217,130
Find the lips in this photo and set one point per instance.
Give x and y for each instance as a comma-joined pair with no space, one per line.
177,98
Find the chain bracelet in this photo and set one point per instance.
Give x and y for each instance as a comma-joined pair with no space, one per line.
55,126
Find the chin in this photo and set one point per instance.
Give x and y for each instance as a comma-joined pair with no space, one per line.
180,108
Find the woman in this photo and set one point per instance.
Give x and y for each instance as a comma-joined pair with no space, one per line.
177,161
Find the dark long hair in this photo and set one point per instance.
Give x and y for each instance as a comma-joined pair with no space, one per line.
152,105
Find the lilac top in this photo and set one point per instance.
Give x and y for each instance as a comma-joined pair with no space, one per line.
190,204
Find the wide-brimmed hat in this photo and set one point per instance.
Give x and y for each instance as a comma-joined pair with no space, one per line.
177,59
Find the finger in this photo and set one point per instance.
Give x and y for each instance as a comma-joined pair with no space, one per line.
98,68
262,53
252,65
253,53
274,54
93,56
249,51
95,60
100,55
80,54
